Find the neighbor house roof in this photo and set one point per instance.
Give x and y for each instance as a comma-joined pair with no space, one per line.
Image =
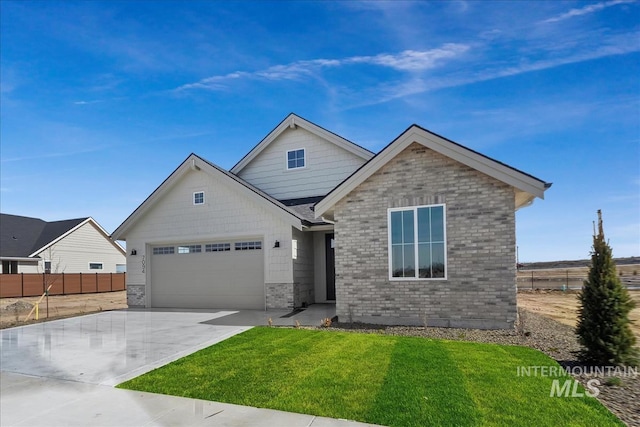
25,237
292,121
527,186
195,162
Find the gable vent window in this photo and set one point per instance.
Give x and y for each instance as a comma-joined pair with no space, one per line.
247,246
198,198
295,159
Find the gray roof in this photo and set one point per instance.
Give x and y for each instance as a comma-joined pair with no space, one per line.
303,208
20,236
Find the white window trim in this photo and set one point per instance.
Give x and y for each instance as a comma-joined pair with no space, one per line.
415,240
95,262
286,159
193,199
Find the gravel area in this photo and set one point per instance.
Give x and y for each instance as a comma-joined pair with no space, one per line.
621,394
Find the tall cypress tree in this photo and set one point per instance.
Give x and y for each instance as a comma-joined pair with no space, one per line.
603,316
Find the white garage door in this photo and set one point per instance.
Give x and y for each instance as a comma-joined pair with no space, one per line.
226,274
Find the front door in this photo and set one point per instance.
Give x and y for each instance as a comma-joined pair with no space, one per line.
329,244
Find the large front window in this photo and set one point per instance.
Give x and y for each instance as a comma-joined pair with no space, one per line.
417,243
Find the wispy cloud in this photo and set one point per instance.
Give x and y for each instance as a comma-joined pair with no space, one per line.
51,155
99,101
405,61
592,8
412,60
95,101
400,89
417,71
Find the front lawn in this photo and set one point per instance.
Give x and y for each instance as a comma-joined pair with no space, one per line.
388,380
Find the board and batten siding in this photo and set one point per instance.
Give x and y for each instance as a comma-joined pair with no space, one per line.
225,215
74,252
326,165
303,268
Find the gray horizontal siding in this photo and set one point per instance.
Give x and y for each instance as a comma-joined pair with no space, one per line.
326,166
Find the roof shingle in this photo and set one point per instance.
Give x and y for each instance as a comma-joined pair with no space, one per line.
20,236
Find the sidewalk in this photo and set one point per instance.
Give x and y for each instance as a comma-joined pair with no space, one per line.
33,401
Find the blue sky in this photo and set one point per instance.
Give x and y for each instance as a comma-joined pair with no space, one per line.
100,101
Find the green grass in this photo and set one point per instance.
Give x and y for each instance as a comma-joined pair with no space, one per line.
388,380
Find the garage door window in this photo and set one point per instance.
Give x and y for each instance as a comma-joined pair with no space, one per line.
189,249
217,247
164,250
247,246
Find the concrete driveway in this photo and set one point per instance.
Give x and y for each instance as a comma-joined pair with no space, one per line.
63,372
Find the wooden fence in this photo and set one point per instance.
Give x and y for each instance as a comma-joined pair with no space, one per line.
34,284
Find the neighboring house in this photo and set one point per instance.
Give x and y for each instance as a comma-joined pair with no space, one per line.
31,245
424,231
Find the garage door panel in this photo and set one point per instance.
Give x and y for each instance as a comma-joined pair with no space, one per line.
218,302
228,279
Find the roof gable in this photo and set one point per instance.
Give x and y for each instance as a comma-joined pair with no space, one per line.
292,121
527,186
53,231
195,162
23,237
54,228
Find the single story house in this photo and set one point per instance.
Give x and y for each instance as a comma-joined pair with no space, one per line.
421,232
31,245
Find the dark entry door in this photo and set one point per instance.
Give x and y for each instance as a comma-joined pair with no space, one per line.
331,267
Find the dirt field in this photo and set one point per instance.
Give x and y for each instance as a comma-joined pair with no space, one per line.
14,310
562,306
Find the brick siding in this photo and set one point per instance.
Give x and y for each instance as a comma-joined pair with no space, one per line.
136,295
279,295
480,289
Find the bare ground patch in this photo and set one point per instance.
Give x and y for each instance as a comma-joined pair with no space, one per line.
563,306
14,310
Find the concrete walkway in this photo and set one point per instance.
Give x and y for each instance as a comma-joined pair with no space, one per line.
310,316
63,372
